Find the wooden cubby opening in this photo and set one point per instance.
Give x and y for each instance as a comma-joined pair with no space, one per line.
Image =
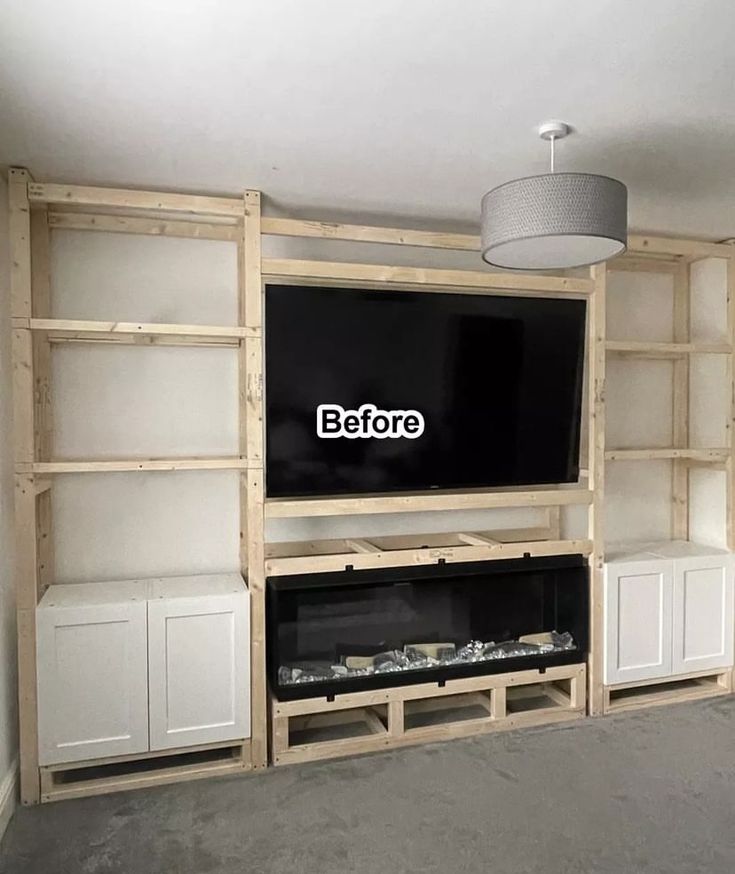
681,689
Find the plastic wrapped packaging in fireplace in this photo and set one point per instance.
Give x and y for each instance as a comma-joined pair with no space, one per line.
332,633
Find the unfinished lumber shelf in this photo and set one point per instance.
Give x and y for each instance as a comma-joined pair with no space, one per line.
86,331
280,508
655,454
311,729
416,549
130,464
641,349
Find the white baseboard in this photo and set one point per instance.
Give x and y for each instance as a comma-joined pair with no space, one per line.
8,796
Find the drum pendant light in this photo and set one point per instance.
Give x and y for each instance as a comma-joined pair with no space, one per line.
555,220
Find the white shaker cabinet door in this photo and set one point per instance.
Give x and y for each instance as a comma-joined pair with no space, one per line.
638,620
703,613
199,669
92,681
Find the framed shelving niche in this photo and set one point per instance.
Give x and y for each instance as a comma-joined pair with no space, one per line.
669,437
36,212
39,209
387,716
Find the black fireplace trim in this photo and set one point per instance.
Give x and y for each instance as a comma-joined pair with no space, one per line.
338,579
434,675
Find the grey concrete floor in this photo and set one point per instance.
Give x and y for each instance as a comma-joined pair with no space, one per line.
651,791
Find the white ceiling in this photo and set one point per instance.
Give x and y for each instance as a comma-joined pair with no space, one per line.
388,108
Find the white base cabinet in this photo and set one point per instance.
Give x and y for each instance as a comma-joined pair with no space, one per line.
668,611
142,665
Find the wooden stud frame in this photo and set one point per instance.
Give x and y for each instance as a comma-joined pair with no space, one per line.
675,258
386,712
38,209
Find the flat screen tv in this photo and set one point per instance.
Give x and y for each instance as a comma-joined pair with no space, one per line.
388,391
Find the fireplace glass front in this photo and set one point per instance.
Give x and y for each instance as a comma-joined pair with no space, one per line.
331,633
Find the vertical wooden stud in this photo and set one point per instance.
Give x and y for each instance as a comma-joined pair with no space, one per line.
43,422
553,522
395,718
730,466
498,703
26,562
252,413
279,735
680,420
596,463
576,691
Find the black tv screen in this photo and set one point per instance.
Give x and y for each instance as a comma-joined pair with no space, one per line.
389,391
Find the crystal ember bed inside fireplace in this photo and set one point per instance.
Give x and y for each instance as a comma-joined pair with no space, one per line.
332,633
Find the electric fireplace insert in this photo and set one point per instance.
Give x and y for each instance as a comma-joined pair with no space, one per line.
332,633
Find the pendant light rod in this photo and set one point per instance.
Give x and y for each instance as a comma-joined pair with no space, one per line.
553,131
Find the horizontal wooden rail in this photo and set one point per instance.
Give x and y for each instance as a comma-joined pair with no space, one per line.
122,198
687,249
431,555
84,329
699,455
232,207
286,227
122,224
425,277
280,508
665,350
638,244
633,262
132,464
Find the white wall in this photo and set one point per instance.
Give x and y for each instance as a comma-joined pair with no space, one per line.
8,696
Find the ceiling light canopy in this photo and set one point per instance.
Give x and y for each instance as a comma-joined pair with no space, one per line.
555,220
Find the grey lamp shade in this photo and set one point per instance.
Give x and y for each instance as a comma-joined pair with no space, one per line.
553,221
